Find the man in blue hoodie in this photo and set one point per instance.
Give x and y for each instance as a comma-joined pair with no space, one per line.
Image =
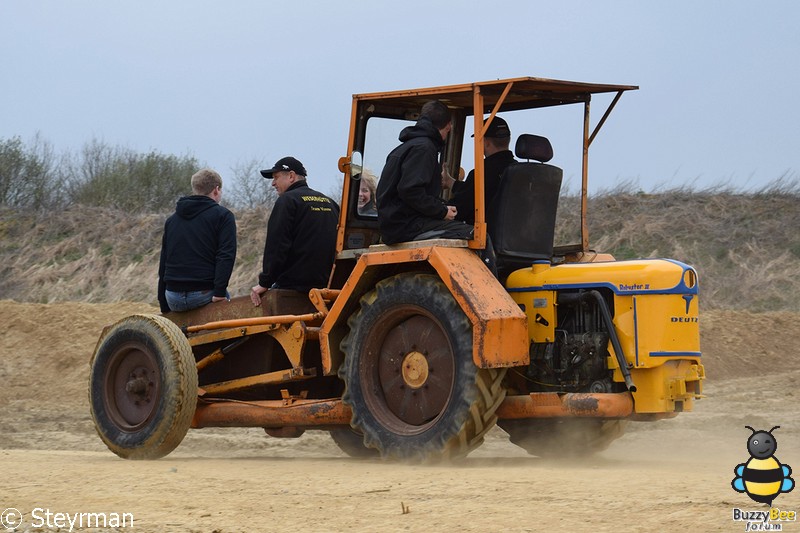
409,191
198,248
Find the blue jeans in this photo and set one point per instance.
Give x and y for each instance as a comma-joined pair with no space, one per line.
184,301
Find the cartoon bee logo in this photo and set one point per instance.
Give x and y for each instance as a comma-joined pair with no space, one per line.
762,477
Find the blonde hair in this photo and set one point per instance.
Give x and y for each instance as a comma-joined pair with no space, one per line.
371,180
205,180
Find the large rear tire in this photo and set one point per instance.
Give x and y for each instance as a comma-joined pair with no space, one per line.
143,387
411,383
568,437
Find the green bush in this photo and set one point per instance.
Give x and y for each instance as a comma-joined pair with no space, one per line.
27,178
32,177
106,176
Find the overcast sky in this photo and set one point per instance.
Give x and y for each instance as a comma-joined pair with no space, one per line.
230,82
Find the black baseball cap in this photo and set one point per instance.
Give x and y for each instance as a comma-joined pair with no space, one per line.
285,164
498,129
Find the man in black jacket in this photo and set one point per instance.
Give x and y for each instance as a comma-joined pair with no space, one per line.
301,233
497,157
198,248
409,203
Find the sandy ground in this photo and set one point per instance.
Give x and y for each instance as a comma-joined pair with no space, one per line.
667,476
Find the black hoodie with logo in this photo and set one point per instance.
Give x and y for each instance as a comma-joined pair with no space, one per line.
198,248
410,186
301,240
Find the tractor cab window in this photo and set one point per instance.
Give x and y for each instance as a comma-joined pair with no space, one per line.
381,137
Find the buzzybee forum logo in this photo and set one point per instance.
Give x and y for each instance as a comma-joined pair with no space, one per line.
762,477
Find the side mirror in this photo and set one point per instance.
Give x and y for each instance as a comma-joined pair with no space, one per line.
355,163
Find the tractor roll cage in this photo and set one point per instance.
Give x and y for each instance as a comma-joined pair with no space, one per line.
490,97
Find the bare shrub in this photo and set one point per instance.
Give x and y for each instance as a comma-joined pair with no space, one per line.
249,190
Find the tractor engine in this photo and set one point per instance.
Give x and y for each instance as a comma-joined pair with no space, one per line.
576,360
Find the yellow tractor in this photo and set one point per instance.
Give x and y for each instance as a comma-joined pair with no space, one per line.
415,350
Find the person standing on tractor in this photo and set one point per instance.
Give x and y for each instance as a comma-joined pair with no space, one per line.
409,191
301,233
497,157
198,248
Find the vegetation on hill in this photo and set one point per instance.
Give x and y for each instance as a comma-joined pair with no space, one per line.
34,177
745,246
87,227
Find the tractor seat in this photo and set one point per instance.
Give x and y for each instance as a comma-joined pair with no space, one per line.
523,213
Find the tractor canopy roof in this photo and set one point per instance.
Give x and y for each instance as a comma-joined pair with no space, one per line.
512,94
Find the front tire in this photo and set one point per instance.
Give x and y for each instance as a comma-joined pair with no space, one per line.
411,383
143,387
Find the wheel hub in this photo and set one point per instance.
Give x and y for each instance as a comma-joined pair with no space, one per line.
412,370
415,369
132,382
139,385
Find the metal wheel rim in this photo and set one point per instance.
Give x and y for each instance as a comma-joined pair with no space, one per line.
408,407
132,385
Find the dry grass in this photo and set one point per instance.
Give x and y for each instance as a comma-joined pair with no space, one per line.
101,255
745,245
